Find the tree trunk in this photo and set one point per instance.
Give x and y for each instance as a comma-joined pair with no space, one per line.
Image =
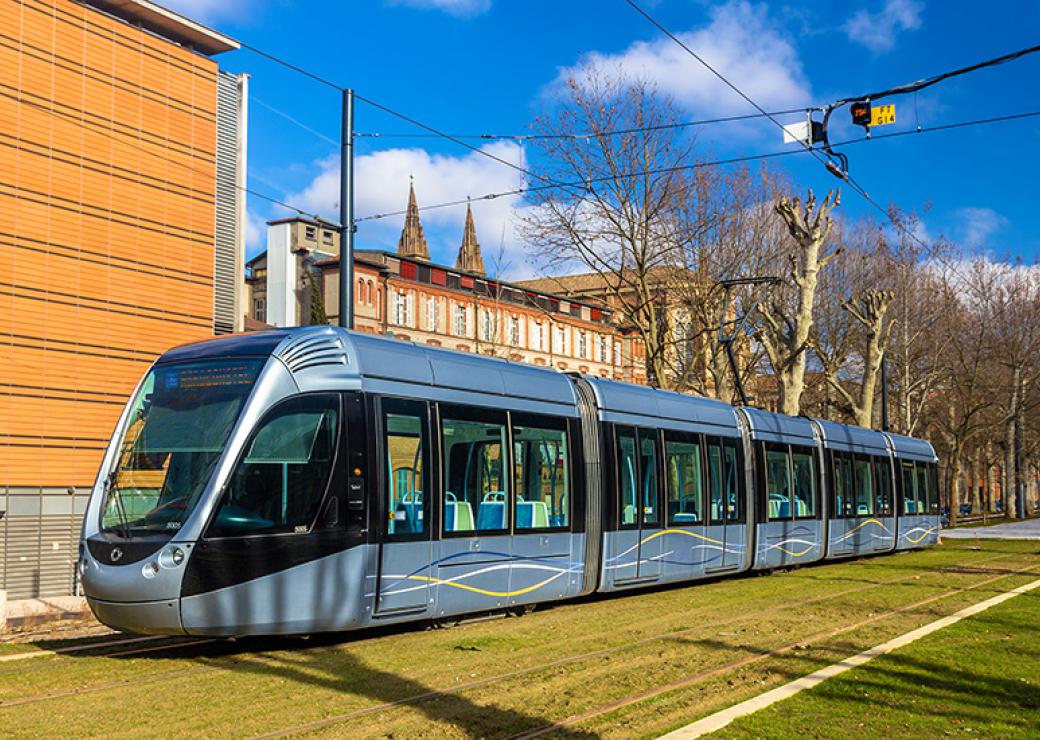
976,483
954,486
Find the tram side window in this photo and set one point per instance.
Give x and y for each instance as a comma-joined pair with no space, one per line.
716,480
405,442
280,483
476,487
778,483
927,495
731,487
864,486
684,475
883,475
843,488
648,466
542,490
804,466
725,501
626,472
910,502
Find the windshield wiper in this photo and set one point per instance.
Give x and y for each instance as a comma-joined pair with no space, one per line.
109,490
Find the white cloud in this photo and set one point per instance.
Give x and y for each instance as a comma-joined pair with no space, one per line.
740,42
209,11
878,31
382,187
457,8
978,225
256,234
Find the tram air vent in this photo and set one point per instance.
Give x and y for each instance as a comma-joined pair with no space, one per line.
314,351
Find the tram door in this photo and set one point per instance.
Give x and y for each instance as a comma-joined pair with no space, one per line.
726,510
405,550
636,551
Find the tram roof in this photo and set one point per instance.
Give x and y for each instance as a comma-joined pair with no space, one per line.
770,427
910,448
852,439
627,403
331,358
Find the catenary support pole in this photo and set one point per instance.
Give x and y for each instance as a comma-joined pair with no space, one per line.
346,214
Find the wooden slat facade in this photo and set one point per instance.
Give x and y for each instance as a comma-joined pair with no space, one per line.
108,161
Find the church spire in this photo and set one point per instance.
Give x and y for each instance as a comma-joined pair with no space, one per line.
412,242
469,258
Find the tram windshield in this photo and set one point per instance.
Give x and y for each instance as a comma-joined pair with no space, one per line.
179,423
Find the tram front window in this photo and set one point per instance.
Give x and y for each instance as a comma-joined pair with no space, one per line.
178,426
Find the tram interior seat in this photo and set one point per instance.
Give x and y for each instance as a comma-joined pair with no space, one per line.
408,514
531,515
862,509
628,516
779,506
800,508
458,515
683,512
491,514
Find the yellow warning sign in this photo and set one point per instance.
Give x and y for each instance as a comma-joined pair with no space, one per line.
882,115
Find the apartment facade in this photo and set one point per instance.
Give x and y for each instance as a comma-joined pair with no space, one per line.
405,295
122,156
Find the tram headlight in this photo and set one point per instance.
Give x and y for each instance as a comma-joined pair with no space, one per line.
171,557
150,570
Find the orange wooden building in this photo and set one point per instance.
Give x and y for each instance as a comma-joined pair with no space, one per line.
121,155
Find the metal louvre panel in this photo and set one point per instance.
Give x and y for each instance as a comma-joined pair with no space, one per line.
39,554
58,545
22,550
225,268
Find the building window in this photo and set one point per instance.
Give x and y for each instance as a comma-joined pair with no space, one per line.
326,237
459,320
583,345
310,232
560,340
260,309
402,309
617,352
487,325
539,336
601,349
432,317
514,331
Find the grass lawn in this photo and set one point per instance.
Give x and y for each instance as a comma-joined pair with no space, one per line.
633,665
978,677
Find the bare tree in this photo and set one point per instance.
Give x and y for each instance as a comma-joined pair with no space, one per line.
787,324
623,226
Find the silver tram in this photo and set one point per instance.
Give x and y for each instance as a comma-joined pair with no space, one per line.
315,479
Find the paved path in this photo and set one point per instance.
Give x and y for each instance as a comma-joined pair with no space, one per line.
1024,530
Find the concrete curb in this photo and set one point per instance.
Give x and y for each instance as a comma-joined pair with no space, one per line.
32,611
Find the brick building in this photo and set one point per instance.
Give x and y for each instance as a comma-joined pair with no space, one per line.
403,294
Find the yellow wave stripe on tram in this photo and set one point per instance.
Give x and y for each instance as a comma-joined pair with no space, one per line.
792,553
914,542
485,592
682,531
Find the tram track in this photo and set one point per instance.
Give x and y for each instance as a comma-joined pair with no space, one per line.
710,673
222,663
491,680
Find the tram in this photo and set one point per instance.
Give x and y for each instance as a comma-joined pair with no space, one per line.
316,479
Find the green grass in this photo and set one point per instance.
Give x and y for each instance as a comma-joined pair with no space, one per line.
978,677
652,639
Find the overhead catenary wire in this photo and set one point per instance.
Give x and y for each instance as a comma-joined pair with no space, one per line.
715,163
589,134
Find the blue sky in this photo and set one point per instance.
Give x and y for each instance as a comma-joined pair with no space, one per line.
489,66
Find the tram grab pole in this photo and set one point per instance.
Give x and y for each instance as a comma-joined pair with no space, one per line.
346,214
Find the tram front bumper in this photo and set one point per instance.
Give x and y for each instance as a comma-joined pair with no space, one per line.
140,617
